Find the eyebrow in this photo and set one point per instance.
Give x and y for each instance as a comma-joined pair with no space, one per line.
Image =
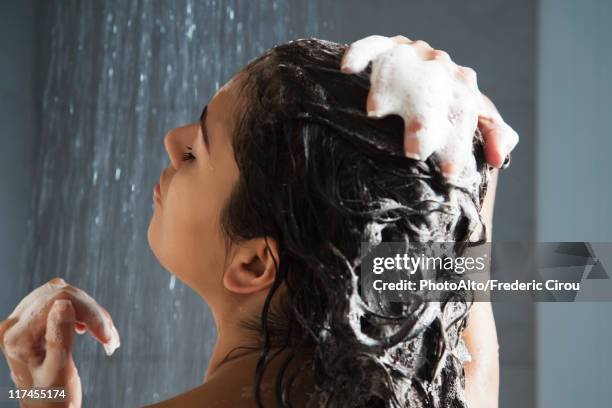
203,127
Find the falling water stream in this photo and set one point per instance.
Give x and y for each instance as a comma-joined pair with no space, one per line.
116,76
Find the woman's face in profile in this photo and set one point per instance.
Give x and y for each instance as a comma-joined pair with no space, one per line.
185,233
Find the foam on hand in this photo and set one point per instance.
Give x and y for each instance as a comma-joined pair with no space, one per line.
438,100
32,309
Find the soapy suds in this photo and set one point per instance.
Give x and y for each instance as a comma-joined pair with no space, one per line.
339,182
438,100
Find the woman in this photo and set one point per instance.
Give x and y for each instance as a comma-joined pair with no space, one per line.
262,212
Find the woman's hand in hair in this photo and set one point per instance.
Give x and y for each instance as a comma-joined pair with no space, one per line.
439,101
36,338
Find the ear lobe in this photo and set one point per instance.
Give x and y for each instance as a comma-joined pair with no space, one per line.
253,267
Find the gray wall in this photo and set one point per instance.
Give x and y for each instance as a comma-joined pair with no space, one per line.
103,119
17,144
574,191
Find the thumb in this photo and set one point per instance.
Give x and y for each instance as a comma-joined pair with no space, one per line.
58,337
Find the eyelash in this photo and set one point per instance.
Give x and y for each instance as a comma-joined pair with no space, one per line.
188,156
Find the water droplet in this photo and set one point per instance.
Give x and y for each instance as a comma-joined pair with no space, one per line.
142,77
110,72
190,31
133,188
172,282
168,68
117,173
231,13
95,177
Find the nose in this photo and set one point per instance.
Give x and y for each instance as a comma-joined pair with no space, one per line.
176,142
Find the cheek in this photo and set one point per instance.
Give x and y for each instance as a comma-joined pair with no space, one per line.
184,232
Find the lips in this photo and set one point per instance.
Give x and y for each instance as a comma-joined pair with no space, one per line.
157,189
157,192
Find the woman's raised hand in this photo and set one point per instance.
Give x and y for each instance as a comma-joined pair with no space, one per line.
439,101
36,338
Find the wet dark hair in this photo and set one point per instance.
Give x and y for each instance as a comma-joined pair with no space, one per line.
320,177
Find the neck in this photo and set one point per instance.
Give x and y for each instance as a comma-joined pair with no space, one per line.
231,336
232,342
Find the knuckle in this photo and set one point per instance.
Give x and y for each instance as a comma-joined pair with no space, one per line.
19,347
401,39
469,72
439,54
421,43
70,290
57,281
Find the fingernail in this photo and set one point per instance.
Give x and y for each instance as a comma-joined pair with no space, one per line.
113,344
511,140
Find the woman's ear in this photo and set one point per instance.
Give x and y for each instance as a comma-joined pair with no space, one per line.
252,267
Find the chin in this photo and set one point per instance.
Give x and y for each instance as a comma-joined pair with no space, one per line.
152,238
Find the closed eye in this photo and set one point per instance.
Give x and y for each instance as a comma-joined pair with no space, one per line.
188,156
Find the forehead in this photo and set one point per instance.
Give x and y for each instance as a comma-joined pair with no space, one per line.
223,105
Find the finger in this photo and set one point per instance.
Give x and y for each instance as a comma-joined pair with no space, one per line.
361,52
42,292
500,139
422,48
4,326
449,169
97,320
468,76
58,337
439,55
412,144
400,39
420,140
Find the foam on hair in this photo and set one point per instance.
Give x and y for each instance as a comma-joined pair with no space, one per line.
321,177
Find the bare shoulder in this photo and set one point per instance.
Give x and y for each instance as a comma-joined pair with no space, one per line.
212,394
234,386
